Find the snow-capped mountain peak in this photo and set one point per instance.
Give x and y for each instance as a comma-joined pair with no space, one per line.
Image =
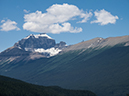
41,43
42,35
38,35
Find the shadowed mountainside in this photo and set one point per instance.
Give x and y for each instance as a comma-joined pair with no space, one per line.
13,87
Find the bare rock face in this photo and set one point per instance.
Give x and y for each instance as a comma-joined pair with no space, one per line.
60,45
36,41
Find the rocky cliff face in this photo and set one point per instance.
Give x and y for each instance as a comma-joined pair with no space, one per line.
36,41
40,43
60,45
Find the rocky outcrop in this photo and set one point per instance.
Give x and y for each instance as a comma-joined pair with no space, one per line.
60,45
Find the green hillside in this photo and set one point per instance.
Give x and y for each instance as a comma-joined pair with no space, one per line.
13,87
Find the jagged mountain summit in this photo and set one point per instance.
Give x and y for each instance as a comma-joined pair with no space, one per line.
35,41
41,43
30,48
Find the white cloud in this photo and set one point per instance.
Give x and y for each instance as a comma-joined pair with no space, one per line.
26,11
55,20
8,25
2,21
86,17
104,17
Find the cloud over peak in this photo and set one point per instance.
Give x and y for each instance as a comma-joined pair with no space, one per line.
55,20
8,25
104,17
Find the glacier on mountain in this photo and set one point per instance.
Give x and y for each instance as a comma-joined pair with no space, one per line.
52,51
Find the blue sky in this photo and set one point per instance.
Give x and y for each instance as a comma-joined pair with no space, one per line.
71,21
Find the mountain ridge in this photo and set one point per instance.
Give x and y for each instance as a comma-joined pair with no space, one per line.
100,42
59,48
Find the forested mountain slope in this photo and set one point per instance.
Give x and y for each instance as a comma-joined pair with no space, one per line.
13,87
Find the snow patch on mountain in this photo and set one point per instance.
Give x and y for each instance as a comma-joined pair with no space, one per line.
28,36
28,49
38,35
52,51
90,46
42,35
100,39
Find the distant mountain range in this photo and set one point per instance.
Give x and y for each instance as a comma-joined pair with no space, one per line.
100,65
